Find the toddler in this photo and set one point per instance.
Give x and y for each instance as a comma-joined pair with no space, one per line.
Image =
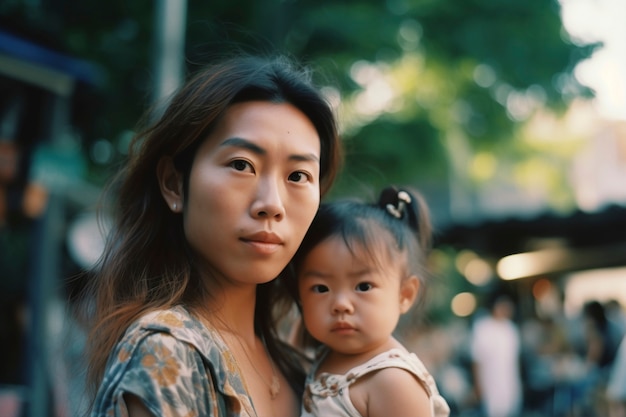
359,268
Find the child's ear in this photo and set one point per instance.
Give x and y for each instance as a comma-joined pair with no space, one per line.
408,293
171,184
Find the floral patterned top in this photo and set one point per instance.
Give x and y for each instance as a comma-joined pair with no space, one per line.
329,394
177,366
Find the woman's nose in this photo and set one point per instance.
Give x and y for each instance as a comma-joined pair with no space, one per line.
269,201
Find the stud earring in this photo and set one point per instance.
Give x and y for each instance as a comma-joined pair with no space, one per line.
175,206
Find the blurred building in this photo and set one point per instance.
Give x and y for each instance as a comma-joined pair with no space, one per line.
522,239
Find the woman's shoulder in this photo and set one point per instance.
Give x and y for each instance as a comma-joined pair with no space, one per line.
176,320
177,325
164,358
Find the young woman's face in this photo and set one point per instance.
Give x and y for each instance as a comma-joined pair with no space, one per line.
253,191
350,302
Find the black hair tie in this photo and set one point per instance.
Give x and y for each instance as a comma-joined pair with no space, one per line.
401,205
398,210
395,202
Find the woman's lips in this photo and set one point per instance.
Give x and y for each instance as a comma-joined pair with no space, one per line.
263,242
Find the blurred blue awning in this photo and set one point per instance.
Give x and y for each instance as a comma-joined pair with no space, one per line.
23,59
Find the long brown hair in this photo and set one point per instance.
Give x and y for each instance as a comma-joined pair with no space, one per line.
146,262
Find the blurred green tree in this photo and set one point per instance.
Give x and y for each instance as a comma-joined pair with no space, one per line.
423,84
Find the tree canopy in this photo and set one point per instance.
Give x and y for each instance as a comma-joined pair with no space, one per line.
423,86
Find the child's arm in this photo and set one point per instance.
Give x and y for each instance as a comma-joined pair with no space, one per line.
391,392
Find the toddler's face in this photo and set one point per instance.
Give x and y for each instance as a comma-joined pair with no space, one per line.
350,302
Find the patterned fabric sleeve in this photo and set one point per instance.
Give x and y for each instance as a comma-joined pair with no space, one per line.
169,376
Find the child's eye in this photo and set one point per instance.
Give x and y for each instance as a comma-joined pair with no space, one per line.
364,286
320,288
298,176
241,165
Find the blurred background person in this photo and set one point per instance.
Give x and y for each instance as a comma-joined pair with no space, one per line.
601,338
495,350
616,387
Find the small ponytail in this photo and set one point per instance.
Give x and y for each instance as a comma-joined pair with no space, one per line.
408,206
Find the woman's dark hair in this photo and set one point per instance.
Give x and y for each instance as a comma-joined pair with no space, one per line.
146,263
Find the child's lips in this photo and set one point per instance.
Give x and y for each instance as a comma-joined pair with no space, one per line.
342,327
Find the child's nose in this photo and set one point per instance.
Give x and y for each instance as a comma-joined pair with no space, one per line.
342,305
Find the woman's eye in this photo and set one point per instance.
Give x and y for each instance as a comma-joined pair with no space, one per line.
320,289
241,165
298,176
364,286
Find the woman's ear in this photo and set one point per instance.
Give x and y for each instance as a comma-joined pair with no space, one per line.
171,184
408,293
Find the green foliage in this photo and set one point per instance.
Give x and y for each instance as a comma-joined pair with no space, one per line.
432,92
451,66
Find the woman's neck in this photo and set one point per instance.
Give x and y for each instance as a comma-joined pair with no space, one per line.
232,310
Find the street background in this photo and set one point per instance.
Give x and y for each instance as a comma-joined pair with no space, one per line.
509,116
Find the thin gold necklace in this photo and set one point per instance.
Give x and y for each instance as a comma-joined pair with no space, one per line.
274,386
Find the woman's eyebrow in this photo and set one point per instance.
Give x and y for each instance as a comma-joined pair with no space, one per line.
305,157
243,143
238,142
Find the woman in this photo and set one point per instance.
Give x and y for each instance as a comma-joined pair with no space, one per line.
215,199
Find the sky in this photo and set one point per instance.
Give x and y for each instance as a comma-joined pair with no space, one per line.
605,72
